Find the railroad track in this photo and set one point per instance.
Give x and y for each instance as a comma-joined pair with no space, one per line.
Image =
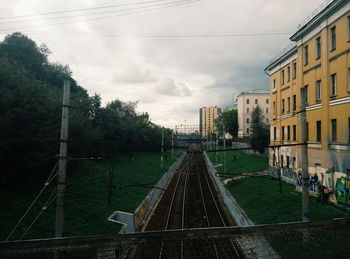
190,201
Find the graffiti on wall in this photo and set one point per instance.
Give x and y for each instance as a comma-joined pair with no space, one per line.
342,191
313,182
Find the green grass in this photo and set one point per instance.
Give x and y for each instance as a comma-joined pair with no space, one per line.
262,201
242,163
86,202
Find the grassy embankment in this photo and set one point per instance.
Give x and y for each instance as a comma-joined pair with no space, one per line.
86,203
239,162
262,201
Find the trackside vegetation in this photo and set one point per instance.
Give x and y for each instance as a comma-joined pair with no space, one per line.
87,198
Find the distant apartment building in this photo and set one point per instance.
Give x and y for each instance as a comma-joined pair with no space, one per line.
245,103
319,62
207,117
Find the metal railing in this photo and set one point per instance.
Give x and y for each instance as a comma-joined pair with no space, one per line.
327,239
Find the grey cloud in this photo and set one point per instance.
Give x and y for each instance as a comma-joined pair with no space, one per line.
169,87
134,75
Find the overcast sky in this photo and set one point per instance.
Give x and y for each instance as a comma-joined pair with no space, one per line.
170,77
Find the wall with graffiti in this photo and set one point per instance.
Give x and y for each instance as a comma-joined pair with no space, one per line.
342,191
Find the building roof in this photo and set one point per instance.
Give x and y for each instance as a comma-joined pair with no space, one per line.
316,17
255,92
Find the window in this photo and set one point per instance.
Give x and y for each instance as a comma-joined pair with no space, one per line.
318,130
334,129
348,28
307,131
267,101
288,133
287,161
274,133
318,90
282,77
248,130
349,79
281,160
274,83
293,162
294,70
247,101
288,104
267,120
247,110
294,132
274,107
349,129
306,93
333,84
318,47
333,38
247,120
256,101
288,74
274,160
282,105
306,55
282,132
267,110
294,102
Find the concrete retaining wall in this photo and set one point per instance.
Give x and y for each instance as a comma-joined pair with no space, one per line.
133,222
232,205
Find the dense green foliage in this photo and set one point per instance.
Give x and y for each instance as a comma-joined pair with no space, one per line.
230,119
30,103
260,136
86,203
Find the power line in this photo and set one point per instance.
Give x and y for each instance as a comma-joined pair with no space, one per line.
96,13
78,10
46,205
144,10
47,182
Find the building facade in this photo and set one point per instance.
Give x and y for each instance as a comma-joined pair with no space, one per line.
207,117
246,102
318,61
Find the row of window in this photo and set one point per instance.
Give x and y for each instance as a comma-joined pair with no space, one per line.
267,110
288,75
257,101
283,105
287,136
248,120
290,161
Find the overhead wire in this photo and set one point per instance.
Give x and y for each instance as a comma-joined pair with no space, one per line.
97,13
46,205
78,10
143,10
47,183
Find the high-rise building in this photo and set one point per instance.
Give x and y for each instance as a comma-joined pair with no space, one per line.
318,61
246,102
207,117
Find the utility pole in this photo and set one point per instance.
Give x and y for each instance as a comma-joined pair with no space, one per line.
223,135
63,159
217,145
162,152
172,145
304,156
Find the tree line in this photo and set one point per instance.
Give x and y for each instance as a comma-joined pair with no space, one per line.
31,104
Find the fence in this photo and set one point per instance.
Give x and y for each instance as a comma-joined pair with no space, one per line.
328,239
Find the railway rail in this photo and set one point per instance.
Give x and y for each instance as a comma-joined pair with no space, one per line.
191,201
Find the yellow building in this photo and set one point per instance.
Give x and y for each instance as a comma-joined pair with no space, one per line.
207,117
319,61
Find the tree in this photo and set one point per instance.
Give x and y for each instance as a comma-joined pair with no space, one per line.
230,119
260,136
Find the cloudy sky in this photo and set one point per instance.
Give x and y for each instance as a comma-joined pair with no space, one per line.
172,56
